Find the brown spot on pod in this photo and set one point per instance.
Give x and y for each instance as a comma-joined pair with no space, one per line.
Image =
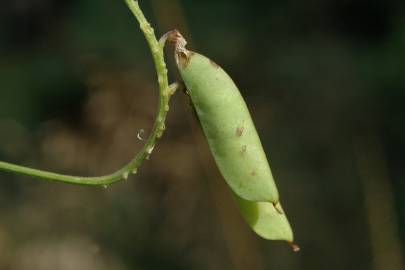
239,131
253,173
243,150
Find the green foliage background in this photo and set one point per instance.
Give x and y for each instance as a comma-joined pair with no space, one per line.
323,80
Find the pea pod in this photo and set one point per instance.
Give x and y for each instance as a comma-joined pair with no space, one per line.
228,126
233,141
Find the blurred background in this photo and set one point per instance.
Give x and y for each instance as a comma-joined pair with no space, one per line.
324,81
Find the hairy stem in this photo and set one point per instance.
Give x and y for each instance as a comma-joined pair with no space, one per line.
165,91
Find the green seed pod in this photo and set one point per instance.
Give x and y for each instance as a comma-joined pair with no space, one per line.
233,141
228,127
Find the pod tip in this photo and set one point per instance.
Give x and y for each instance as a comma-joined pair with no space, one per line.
176,38
293,246
182,55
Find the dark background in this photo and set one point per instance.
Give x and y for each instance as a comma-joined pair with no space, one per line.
324,81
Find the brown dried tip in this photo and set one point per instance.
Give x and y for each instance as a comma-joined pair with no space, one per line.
182,55
293,246
173,36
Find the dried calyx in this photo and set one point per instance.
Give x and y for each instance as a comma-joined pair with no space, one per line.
181,54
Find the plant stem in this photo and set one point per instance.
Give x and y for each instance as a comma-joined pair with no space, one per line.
165,91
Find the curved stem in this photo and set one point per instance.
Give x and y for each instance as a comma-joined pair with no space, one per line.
165,91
